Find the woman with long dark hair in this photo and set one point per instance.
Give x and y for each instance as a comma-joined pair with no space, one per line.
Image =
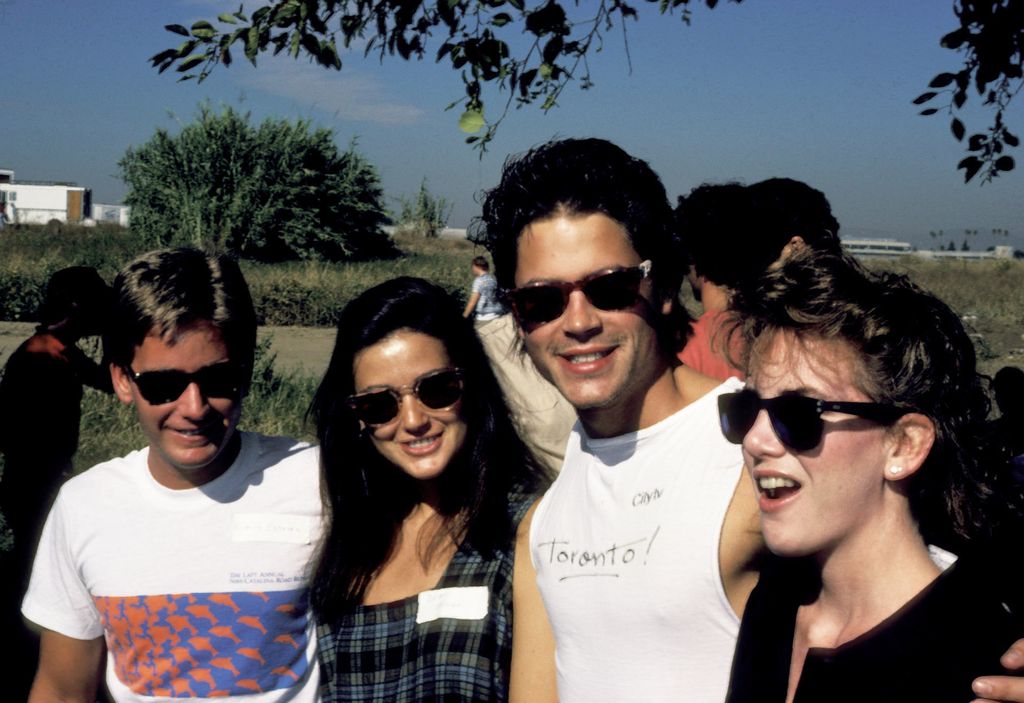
863,430
425,483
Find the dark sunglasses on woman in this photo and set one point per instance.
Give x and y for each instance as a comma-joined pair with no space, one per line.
795,419
608,289
436,390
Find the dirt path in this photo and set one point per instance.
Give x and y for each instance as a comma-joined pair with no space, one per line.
303,349
308,349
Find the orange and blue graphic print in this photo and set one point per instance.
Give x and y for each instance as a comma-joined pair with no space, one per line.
207,645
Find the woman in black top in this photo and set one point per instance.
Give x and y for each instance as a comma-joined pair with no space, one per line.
862,427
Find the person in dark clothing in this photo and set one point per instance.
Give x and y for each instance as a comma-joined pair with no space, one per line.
1008,388
863,431
40,398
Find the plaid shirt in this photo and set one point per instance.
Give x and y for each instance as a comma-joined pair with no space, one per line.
380,653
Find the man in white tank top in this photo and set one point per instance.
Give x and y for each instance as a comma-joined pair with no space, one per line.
644,550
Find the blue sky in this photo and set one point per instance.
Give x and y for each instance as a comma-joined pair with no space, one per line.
819,91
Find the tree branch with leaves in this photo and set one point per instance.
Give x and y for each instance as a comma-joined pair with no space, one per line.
528,53
991,39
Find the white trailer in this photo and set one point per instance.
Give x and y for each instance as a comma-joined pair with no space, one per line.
38,203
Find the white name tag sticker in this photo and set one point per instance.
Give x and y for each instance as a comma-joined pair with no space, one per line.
465,603
272,527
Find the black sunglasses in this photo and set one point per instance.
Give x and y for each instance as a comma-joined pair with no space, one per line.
796,419
608,289
435,390
223,380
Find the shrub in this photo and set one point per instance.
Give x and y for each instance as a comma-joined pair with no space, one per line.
425,215
274,192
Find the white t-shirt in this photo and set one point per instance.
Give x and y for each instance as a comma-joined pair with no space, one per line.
200,593
625,544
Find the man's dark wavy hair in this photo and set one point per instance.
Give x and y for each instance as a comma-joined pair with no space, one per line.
732,233
917,356
365,496
583,177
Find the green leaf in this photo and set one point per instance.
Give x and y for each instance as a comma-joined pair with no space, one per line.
924,97
970,165
552,49
929,111
1004,163
546,70
186,48
252,44
941,80
227,18
329,55
177,29
471,121
312,46
953,40
191,62
501,19
547,19
957,127
163,57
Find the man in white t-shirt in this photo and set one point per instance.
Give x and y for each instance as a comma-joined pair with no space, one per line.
645,547
185,562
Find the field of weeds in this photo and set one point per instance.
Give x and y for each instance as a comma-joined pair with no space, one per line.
988,295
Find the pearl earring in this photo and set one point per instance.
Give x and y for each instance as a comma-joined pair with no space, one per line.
895,470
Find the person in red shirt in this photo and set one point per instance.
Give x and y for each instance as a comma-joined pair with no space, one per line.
734,233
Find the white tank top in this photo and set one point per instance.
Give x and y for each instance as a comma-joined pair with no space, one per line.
625,544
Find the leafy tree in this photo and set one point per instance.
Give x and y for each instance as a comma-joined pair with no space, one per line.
481,39
271,192
991,39
426,214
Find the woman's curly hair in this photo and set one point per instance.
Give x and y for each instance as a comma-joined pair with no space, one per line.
917,356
